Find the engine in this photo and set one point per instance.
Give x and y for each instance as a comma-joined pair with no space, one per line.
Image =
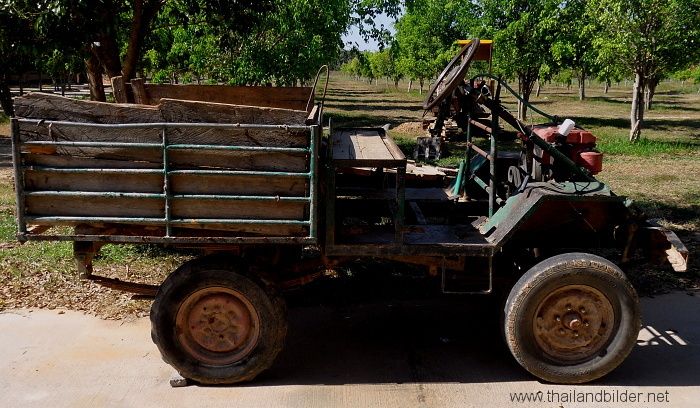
577,144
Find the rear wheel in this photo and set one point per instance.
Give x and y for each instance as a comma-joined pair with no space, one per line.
572,318
214,325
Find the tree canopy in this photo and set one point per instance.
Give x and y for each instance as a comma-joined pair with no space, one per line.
283,42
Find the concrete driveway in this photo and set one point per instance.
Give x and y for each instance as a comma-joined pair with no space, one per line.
377,355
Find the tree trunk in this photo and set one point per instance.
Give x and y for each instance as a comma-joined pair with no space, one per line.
582,87
6,96
606,87
410,85
539,88
526,82
396,83
637,112
421,81
94,76
144,11
649,93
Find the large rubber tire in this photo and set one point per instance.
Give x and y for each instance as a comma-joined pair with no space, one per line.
550,332
183,299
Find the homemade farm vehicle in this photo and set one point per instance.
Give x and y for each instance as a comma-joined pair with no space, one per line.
246,175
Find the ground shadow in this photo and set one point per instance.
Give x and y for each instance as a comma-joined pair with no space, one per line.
343,119
658,124
374,339
345,334
5,151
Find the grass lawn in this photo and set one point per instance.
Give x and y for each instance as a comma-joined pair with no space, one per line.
660,173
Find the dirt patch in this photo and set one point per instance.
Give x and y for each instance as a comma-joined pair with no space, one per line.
409,127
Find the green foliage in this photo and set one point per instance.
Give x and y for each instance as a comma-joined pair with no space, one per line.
523,33
652,37
425,32
689,74
381,64
286,45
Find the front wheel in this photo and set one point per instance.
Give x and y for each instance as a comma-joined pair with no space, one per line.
572,318
215,325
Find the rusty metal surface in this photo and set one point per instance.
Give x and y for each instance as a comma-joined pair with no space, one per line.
218,326
573,324
142,289
663,244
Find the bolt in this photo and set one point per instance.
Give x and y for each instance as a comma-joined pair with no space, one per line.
572,321
586,323
557,318
575,334
582,310
568,306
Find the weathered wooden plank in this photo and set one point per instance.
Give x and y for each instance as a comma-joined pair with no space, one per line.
277,97
197,111
240,185
119,89
139,91
31,132
225,137
200,230
360,145
63,161
37,180
203,112
38,105
50,107
94,207
263,210
227,230
314,116
147,207
152,158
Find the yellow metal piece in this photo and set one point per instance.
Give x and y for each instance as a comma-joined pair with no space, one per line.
483,53
482,42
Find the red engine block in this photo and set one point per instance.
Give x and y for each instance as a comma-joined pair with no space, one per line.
580,146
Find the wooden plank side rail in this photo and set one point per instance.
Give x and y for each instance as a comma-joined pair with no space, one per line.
294,98
233,205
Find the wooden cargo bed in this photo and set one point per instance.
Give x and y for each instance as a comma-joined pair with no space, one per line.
182,168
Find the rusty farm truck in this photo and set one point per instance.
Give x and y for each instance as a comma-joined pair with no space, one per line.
249,176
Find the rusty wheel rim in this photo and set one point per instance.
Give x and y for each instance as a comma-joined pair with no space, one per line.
218,326
574,324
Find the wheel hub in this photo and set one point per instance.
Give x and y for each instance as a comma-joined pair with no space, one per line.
218,325
574,323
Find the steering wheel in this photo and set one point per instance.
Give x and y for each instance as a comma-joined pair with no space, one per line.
451,76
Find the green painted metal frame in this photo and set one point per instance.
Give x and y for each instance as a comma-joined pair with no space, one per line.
167,221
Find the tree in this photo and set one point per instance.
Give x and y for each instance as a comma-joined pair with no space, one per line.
16,53
110,34
572,46
382,64
423,35
649,38
523,32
